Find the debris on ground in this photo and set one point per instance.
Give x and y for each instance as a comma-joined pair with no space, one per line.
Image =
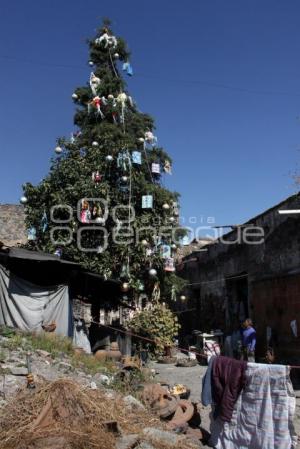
65,414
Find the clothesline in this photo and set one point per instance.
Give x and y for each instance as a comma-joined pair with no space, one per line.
140,337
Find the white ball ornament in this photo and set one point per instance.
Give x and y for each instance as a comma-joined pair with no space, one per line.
91,63
109,158
58,150
95,144
116,55
172,219
173,246
124,178
125,287
141,139
166,206
152,272
110,97
23,200
75,96
98,220
144,242
182,298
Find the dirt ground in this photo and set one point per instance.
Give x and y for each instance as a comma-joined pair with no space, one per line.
192,377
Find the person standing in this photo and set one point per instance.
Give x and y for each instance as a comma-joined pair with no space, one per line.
248,341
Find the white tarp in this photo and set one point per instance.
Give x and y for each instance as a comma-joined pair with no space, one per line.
27,306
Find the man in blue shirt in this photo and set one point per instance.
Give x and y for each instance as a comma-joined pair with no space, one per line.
248,340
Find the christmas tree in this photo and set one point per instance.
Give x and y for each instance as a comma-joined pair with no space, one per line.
103,203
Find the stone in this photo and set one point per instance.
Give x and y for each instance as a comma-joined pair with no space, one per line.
21,371
161,436
93,386
65,366
127,441
43,353
144,445
102,379
133,403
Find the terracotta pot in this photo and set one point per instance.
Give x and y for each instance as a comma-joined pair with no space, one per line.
114,353
101,355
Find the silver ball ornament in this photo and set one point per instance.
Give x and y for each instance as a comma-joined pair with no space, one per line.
110,97
166,206
91,63
173,246
109,158
141,139
124,179
125,287
116,55
75,96
182,297
172,219
23,200
152,272
98,220
58,150
95,144
144,242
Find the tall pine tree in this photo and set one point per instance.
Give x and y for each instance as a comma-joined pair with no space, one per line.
103,203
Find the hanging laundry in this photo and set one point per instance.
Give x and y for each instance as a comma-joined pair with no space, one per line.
263,415
169,264
150,139
165,251
137,157
31,234
107,39
94,83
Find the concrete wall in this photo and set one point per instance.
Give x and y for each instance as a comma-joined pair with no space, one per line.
12,224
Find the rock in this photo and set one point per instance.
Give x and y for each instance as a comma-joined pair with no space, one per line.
42,353
144,445
65,366
102,379
161,436
19,371
93,386
133,403
127,441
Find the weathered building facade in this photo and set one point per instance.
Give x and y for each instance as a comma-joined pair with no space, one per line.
254,270
12,224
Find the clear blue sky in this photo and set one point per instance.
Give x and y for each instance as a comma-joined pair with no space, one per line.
221,78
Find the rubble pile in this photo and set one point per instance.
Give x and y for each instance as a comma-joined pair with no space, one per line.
65,414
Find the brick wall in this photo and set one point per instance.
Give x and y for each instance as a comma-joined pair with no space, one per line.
12,224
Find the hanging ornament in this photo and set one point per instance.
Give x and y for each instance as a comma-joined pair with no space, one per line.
125,271
109,158
124,160
127,68
124,179
141,139
110,97
106,39
121,99
149,252
44,222
174,246
166,206
91,63
167,167
75,96
96,177
96,102
175,208
137,157
144,242
182,297
165,251
31,234
169,264
172,219
116,55
150,138
58,150
140,286
23,200
147,202
155,168
152,272
58,252
125,287
95,144
85,214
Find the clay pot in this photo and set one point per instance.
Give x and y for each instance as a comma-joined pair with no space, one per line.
101,355
114,353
